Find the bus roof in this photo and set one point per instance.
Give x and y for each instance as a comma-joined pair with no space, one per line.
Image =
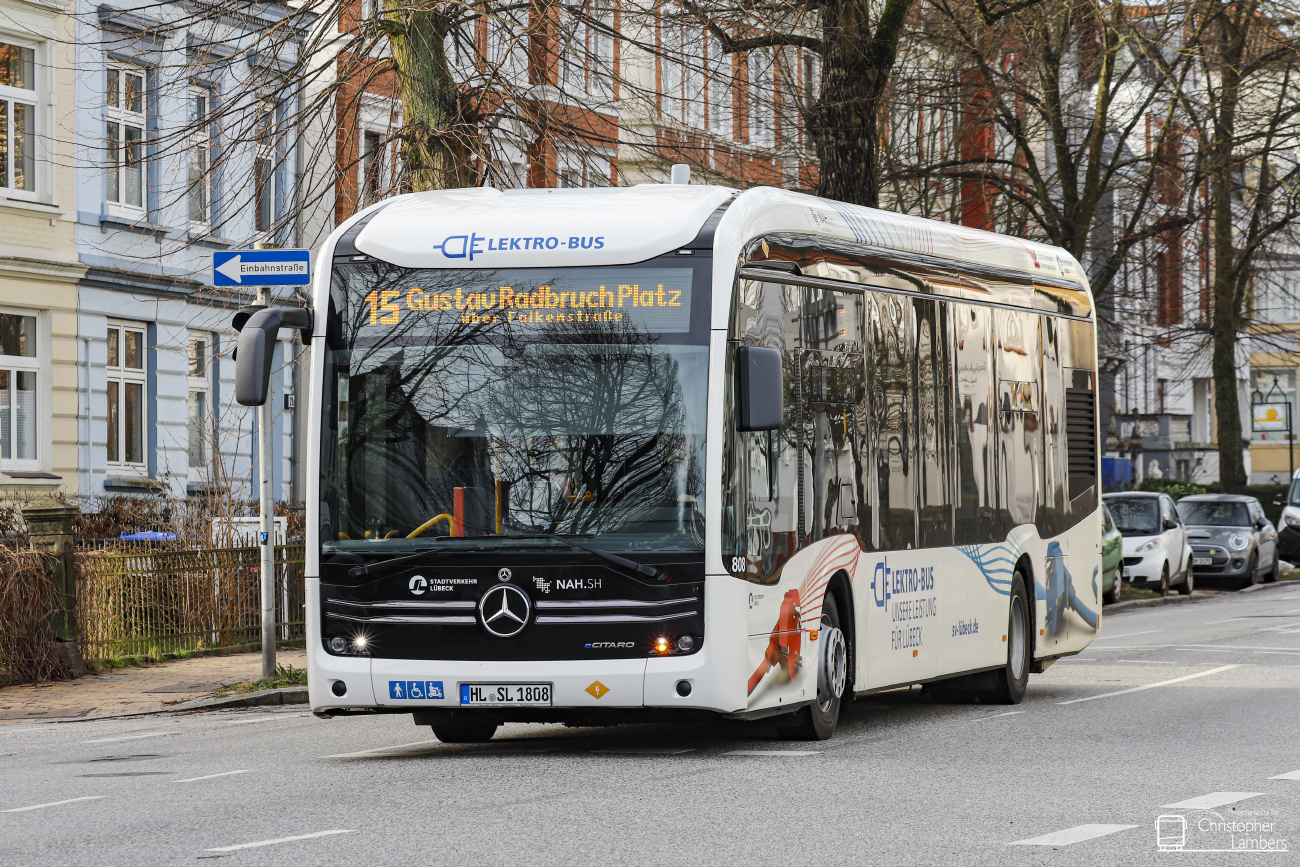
489,228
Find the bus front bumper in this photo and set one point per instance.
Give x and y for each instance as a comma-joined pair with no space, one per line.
398,685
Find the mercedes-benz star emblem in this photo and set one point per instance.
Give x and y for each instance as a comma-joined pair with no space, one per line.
503,574
504,610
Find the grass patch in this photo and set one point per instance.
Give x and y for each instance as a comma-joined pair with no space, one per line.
285,675
1130,593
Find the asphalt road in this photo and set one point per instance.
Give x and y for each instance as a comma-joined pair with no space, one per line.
1183,711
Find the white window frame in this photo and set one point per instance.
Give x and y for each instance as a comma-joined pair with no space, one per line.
121,375
118,121
199,382
201,188
11,99
13,365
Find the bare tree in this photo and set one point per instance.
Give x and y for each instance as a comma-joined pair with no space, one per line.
1246,116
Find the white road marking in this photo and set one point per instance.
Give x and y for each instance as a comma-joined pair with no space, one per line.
244,722
645,751
130,737
1151,685
1077,834
1229,620
276,841
52,804
1283,652
773,753
1147,661
1229,647
1289,775
1212,800
379,750
997,715
1128,634
211,776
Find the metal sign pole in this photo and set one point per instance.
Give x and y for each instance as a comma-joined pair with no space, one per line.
266,508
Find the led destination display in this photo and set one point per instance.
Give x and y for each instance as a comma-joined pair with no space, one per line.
642,299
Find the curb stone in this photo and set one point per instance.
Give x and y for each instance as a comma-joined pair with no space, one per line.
1176,600
261,698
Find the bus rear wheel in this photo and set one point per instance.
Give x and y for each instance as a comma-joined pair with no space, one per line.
465,734
1007,685
816,722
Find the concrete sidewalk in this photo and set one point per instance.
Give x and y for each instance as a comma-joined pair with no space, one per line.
136,688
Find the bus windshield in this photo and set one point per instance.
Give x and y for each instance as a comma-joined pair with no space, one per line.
467,404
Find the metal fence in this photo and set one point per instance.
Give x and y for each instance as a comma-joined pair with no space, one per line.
149,603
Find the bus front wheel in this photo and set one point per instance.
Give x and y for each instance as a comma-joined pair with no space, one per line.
465,734
816,722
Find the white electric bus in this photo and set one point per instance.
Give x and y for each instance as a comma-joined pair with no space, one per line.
603,455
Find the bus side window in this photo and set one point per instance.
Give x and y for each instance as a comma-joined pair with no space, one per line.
934,398
891,362
973,356
829,397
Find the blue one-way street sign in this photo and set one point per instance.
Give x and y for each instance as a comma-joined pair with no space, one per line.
262,268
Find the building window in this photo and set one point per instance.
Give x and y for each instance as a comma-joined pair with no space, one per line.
670,70
200,397
18,391
762,92
126,394
265,170
1277,296
201,192
124,137
373,152
17,118
720,89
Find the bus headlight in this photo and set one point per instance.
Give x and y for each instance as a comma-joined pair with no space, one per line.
338,644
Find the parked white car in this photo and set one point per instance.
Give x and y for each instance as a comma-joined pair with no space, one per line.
1157,554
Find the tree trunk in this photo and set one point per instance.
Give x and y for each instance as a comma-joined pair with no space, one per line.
437,144
1227,316
844,125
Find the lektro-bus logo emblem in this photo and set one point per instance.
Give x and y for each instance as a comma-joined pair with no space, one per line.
504,610
471,245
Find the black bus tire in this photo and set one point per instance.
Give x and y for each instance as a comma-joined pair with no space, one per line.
816,721
1009,683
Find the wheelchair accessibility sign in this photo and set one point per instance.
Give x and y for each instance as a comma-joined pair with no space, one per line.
415,690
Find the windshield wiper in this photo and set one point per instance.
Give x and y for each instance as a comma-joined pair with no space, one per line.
378,565
639,568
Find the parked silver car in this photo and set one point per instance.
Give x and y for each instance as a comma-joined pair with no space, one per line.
1231,538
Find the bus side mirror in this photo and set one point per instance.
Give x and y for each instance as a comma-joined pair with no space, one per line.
257,349
759,390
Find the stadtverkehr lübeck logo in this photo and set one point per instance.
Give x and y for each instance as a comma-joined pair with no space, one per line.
471,245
